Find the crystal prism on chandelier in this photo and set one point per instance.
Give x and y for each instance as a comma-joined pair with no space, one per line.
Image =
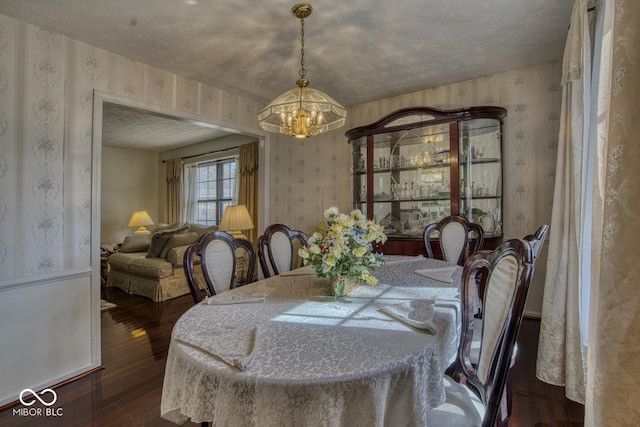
303,111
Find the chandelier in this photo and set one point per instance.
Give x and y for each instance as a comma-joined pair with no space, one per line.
302,111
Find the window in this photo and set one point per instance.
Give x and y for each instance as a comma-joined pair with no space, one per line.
215,188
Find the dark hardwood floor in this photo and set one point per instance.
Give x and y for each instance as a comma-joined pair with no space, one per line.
135,341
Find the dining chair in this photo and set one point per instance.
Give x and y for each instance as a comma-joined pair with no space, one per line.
218,253
278,249
475,391
453,238
537,239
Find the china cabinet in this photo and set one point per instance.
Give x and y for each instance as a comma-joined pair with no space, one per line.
417,165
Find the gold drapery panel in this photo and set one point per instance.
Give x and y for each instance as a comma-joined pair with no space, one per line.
173,207
248,184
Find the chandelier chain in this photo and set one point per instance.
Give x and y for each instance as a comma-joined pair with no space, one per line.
302,71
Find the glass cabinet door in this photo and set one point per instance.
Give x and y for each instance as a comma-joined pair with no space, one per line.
418,165
411,179
481,174
359,152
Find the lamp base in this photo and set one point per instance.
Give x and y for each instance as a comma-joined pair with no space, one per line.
237,235
142,230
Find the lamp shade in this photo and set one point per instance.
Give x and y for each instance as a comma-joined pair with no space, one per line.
140,219
236,218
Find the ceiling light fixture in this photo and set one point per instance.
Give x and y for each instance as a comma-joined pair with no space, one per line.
303,111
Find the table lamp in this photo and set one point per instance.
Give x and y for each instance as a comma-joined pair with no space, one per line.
140,219
235,220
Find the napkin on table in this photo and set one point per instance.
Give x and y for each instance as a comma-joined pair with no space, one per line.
231,346
399,259
442,274
417,313
235,299
307,270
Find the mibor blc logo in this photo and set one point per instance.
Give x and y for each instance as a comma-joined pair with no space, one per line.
46,397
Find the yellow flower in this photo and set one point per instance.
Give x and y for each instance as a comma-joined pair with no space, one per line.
304,253
314,249
370,280
359,251
335,251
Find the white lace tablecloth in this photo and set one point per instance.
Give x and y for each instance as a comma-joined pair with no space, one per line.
302,359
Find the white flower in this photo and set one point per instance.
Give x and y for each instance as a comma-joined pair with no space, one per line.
333,211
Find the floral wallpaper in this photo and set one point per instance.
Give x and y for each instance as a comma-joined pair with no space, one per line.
47,83
46,106
311,175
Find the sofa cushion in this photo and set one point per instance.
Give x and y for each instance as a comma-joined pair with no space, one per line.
182,239
160,238
121,261
136,243
153,268
201,229
164,226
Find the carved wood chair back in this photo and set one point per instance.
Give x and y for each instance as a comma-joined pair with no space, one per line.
278,249
218,253
509,270
453,238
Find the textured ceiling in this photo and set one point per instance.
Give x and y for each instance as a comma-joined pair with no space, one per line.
355,50
132,128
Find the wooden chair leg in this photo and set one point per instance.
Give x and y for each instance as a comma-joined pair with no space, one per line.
509,396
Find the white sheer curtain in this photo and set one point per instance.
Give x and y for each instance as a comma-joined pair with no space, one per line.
590,326
190,202
561,354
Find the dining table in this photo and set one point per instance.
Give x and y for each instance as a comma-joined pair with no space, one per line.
283,352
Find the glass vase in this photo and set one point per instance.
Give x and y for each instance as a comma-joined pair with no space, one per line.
340,286
336,287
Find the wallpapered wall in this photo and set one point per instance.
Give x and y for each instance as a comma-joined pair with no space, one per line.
46,99
47,83
311,175
45,142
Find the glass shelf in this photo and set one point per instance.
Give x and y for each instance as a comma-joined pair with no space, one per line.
404,174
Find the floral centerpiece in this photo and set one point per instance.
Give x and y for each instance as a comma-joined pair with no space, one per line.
344,249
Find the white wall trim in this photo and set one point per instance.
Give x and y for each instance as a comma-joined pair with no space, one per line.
58,276
52,382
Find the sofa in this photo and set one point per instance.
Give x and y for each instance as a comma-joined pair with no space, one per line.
151,265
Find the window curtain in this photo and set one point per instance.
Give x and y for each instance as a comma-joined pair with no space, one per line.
590,323
190,202
173,207
248,184
613,380
561,356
